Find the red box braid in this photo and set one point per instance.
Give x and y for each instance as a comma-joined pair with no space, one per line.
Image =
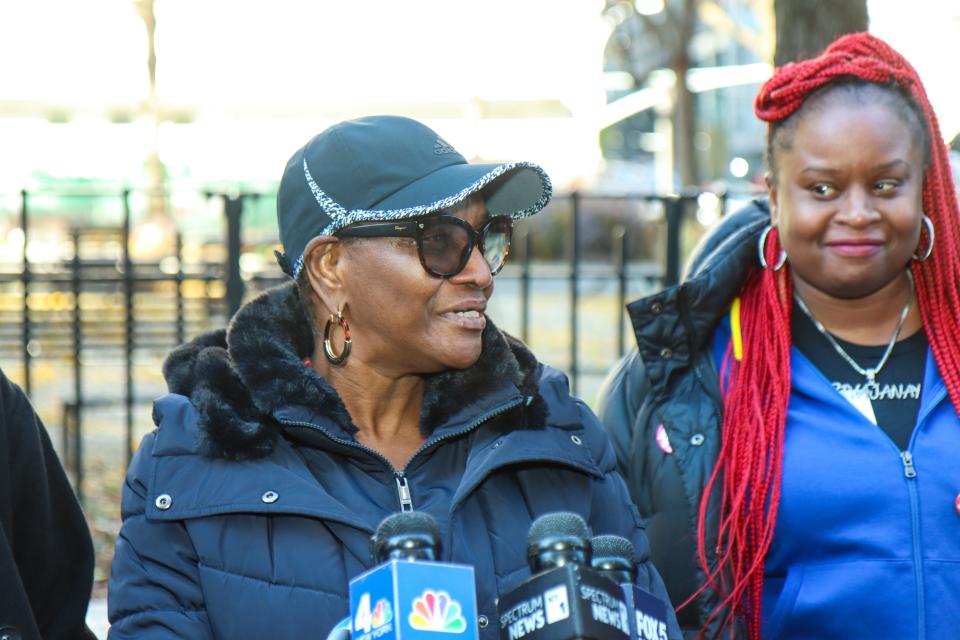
755,403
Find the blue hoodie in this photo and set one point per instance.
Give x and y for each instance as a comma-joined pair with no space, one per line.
867,538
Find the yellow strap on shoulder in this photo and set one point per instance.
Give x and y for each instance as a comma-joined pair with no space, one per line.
735,333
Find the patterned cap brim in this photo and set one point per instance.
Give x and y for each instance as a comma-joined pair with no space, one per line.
524,190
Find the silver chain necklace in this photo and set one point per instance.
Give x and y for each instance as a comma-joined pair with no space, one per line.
869,374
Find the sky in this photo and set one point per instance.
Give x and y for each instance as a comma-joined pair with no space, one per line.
460,65
309,64
928,35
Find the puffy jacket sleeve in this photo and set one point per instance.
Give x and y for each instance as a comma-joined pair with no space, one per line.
614,512
618,406
619,401
46,555
154,582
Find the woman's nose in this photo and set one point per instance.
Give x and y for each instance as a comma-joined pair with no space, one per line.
476,272
858,208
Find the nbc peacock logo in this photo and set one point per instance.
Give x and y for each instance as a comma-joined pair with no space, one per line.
437,611
382,613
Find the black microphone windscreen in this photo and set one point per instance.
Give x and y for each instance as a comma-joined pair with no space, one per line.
561,523
408,522
616,546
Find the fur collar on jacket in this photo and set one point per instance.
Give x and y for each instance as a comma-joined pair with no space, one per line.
237,378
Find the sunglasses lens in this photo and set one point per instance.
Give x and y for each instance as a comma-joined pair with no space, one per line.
496,243
444,247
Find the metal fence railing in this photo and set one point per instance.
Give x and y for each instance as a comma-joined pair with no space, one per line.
99,289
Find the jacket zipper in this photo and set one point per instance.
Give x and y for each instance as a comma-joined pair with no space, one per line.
910,473
429,444
400,477
349,443
908,469
403,489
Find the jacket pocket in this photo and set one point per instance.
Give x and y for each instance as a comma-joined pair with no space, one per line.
788,590
868,599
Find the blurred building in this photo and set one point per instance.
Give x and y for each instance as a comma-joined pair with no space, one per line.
240,85
722,62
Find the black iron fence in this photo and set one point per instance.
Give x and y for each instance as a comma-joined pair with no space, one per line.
89,309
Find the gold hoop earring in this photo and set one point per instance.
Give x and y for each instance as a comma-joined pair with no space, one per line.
333,356
761,246
928,223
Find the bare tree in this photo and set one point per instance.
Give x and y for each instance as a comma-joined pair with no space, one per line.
156,173
642,43
806,27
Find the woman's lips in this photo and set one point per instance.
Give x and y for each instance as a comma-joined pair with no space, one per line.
472,319
855,249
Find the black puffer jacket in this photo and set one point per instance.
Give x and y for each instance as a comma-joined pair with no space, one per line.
46,555
250,508
670,380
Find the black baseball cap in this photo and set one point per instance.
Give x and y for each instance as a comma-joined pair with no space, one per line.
390,168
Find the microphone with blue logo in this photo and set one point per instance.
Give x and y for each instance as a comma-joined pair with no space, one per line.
613,557
563,599
411,595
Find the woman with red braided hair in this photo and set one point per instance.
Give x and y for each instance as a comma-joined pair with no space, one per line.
788,423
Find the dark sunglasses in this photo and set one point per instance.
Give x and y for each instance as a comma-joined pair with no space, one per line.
446,242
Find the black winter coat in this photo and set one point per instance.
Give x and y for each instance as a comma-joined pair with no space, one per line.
46,555
671,381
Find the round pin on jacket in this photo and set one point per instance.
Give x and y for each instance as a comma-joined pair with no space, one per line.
663,440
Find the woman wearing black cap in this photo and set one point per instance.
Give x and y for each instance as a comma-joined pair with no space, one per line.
374,384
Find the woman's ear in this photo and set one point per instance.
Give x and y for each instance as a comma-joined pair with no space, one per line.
322,266
773,196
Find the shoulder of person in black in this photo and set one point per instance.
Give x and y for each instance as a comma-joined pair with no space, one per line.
46,554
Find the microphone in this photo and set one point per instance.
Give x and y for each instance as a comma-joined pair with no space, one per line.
613,557
408,535
564,599
411,594
557,539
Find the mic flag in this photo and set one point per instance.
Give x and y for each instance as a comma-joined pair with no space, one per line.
650,613
613,557
566,603
564,599
410,596
403,600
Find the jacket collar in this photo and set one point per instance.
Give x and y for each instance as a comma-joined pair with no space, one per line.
676,323
244,380
281,483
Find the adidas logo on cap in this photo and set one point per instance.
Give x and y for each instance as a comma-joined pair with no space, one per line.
441,147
